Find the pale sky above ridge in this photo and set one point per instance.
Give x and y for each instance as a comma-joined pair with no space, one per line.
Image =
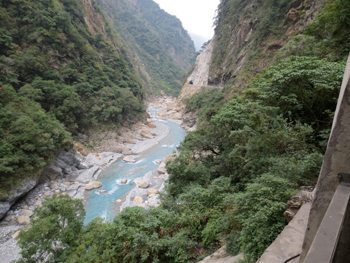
197,16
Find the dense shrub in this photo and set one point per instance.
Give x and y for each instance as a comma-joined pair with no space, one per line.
28,137
54,231
64,78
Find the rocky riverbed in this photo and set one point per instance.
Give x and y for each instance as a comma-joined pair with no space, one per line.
77,171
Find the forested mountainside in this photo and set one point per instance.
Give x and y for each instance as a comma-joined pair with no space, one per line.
263,136
164,51
252,150
63,70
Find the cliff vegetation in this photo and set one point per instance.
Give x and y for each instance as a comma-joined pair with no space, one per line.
60,74
162,50
258,140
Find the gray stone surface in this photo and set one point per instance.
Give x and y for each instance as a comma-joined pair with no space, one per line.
17,193
87,175
9,250
220,256
336,160
289,243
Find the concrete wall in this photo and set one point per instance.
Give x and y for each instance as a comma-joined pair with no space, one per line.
336,160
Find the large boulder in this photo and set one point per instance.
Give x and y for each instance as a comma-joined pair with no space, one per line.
66,164
143,184
88,174
93,185
123,181
23,220
129,159
146,134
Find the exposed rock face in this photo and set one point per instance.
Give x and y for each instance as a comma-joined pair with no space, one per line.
65,164
9,250
94,20
23,189
200,74
88,174
243,30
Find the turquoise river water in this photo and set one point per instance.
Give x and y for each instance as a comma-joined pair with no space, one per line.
101,202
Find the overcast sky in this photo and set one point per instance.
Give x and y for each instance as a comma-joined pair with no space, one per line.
196,15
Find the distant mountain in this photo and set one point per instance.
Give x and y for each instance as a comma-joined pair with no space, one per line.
164,50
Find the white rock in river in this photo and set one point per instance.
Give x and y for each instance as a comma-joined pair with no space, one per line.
93,185
141,183
122,181
129,159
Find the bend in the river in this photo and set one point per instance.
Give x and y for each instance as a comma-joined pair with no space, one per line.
102,202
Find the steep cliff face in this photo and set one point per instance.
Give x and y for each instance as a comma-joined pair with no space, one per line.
249,33
94,20
200,74
161,49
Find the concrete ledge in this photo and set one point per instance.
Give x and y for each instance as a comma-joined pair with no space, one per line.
289,243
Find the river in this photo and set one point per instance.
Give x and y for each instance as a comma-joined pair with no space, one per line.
102,202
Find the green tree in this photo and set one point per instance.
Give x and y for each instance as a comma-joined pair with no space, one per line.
54,231
28,137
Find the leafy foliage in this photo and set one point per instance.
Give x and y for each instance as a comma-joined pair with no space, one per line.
332,28
28,137
55,60
206,103
231,181
54,232
263,141
304,89
56,78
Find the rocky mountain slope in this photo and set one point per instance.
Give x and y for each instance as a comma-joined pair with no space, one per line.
65,71
249,33
162,50
200,74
